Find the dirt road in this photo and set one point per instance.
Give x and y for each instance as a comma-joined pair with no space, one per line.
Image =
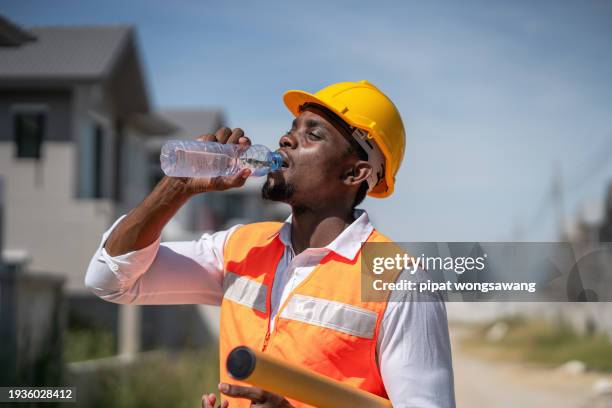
482,382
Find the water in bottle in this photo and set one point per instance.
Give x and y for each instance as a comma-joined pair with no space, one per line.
198,159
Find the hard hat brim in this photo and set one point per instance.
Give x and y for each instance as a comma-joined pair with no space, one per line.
294,98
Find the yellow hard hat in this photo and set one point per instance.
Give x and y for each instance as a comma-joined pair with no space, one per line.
363,106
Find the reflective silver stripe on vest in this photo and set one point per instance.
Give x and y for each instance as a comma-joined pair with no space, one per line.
332,315
245,291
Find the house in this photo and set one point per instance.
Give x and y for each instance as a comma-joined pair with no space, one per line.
74,110
79,146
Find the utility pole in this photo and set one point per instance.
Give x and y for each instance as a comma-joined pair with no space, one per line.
557,195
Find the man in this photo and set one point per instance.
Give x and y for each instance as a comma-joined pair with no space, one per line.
292,289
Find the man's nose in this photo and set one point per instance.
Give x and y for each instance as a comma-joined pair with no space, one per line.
287,140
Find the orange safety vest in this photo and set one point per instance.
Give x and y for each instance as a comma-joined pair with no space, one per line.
322,326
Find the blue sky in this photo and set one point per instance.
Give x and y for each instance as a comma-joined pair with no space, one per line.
494,95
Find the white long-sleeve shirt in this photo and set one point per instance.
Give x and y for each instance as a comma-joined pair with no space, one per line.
413,347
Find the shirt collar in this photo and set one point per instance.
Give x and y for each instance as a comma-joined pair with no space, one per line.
347,244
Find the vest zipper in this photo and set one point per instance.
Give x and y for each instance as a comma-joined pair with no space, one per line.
268,333
266,340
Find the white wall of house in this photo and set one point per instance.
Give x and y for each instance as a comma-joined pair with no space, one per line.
42,215
54,211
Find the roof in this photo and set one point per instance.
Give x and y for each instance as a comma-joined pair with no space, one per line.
65,52
152,124
11,34
193,122
62,55
187,124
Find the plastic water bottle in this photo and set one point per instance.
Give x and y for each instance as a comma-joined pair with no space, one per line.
198,159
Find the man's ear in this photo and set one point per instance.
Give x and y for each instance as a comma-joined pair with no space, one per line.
357,173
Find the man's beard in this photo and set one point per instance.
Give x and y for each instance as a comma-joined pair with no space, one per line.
279,190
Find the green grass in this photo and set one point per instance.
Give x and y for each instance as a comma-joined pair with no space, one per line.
158,379
87,344
167,380
546,343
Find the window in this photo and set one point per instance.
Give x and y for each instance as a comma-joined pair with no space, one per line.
155,179
29,130
91,162
155,171
234,206
97,161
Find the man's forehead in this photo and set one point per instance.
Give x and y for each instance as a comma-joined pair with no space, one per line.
313,115
311,118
